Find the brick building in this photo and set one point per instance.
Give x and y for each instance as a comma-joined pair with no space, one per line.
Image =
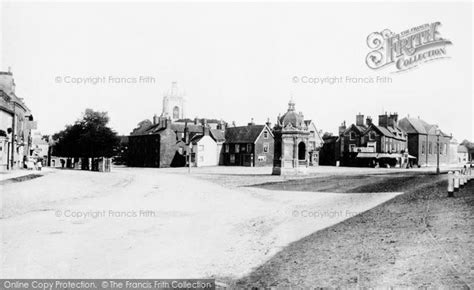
250,145
423,139
367,144
163,143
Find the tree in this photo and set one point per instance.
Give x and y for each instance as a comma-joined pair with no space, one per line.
89,137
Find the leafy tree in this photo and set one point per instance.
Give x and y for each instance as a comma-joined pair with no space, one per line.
88,137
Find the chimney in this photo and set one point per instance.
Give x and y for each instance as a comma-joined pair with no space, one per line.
186,132
383,120
251,122
155,119
368,121
205,130
393,120
342,128
268,123
221,125
359,120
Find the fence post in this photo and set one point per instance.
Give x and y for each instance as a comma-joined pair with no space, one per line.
450,184
456,181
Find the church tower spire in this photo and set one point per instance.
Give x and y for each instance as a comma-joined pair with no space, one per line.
174,103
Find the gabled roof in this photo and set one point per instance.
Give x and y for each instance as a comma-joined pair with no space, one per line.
196,138
244,134
392,132
415,125
217,135
360,129
419,126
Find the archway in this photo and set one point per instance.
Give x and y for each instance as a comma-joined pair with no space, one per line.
302,151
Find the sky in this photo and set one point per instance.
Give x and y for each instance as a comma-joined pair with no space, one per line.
235,61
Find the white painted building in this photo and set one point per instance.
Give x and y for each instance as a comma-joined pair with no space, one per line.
204,151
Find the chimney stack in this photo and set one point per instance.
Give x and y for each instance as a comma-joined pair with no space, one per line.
205,130
251,122
359,120
383,120
342,128
269,124
186,132
155,119
368,121
393,119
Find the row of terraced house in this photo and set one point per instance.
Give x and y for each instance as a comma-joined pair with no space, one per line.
391,142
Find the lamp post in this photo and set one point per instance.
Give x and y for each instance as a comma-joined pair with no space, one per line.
438,132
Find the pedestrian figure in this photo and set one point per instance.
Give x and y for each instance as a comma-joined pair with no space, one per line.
62,163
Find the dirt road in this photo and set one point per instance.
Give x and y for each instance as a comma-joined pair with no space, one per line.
155,223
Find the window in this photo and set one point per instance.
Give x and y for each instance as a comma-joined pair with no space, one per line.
430,148
351,147
352,136
265,134
236,149
266,147
372,135
201,148
249,147
232,158
423,148
226,148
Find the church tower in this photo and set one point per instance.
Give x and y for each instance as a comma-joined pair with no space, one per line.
174,103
